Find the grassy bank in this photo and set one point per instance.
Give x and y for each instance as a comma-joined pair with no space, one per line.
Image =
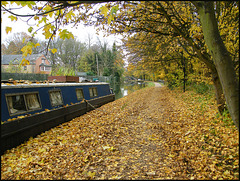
152,133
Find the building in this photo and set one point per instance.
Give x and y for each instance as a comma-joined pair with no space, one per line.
38,64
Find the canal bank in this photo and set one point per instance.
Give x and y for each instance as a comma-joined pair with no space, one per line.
151,133
126,88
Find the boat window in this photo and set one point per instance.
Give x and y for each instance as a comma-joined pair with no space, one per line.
23,102
56,97
93,92
16,104
79,93
32,101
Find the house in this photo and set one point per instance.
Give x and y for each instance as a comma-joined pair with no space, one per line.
38,64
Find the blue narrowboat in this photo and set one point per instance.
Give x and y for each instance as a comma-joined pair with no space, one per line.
30,109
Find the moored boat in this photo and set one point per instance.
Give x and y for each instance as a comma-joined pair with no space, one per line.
30,109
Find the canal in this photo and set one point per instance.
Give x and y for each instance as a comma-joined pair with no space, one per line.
124,89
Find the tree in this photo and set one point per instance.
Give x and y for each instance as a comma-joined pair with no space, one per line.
3,49
69,54
221,57
15,43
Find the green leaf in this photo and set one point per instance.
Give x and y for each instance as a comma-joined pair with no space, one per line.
65,34
30,29
114,9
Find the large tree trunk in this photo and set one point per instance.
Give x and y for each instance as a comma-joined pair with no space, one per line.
221,57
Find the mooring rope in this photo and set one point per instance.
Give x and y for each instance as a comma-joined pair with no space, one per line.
84,100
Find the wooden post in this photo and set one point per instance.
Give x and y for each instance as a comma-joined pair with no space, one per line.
184,73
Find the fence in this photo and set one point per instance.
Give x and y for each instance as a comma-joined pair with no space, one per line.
42,77
22,76
100,78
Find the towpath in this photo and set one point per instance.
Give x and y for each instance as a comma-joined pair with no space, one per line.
157,84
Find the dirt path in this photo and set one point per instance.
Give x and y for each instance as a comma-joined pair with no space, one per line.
140,151
157,84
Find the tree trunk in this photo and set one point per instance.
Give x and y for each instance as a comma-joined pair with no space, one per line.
218,92
221,57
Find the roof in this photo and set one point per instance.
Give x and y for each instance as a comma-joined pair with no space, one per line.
6,59
33,85
45,65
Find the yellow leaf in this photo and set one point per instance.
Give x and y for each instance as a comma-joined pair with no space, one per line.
104,10
8,29
69,15
12,18
171,155
37,44
36,17
42,150
112,148
27,49
110,18
47,8
54,50
106,147
91,174
4,3
226,172
24,62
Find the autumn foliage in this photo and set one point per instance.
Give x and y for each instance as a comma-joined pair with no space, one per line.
152,133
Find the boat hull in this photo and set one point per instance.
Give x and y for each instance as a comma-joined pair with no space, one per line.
16,132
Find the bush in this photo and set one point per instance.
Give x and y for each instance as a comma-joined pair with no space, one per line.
173,80
201,88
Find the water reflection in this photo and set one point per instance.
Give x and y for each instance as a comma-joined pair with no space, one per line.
122,90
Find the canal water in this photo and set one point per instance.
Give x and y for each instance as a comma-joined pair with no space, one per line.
122,90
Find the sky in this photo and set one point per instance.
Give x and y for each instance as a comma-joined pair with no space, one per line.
81,32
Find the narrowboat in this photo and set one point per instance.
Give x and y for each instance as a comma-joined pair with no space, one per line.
30,109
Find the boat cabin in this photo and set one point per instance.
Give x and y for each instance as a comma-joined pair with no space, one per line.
21,99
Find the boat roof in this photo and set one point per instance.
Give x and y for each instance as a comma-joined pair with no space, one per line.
33,85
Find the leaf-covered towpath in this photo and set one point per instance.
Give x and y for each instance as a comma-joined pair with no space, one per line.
152,133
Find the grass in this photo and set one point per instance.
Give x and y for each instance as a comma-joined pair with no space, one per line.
150,84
